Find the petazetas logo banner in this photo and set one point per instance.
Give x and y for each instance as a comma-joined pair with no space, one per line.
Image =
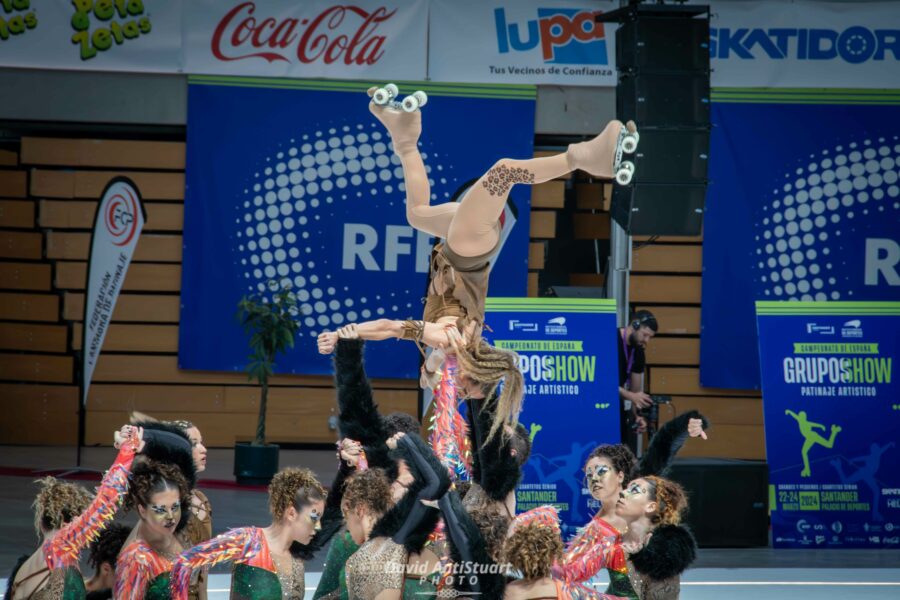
363,38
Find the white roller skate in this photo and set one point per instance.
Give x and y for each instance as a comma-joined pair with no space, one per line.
602,156
417,100
387,95
384,96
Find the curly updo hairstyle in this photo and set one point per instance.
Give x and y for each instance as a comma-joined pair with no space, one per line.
621,457
532,549
493,526
295,487
370,489
106,548
57,503
397,422
149,477
670,497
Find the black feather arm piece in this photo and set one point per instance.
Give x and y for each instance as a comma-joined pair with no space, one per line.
12,574
666,444
358,416
424,466
466,543
475,471
499,470
669,552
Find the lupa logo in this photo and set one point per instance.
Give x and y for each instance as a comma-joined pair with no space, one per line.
16,17
116,21
852,329
556,326
853,45
565,36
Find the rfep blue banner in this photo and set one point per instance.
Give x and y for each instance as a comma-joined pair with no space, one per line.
803,204
832,412
568,357
295,182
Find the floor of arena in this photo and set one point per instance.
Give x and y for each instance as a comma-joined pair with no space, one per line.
734,573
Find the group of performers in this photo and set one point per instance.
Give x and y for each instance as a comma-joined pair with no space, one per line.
404,516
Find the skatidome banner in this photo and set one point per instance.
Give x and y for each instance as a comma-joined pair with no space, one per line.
832,414
118,224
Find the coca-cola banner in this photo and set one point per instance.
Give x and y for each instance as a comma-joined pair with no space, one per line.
515,41
110,35
384,39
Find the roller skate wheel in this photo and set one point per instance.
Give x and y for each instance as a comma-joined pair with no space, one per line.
625,173
410,104
381,96
630,142
422,97
392,90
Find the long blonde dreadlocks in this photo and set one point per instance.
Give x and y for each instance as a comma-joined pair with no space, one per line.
488,366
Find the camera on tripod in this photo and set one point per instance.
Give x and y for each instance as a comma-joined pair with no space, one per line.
651,413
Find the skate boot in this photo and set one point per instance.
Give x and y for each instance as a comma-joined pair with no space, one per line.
404,126
602,156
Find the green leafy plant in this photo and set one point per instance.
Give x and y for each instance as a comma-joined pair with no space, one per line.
272,326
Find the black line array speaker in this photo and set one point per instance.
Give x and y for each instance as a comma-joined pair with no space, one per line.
662,54
727,500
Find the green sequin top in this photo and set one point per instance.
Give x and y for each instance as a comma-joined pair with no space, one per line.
333,573
620,585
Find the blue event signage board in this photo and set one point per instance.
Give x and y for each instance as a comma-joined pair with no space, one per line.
568,357
807,211
294,180
832,412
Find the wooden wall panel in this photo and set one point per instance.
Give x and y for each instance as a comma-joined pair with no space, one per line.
33,337
9,158
17,214
79,214
41,368
141,277
543,224
592,226
673,351
665,289
39,414
13,184
592,196
667,258
27,245
686,382
65,152
134,338
150,248
25,276
550,194
131,308
90,184
29,307
536,255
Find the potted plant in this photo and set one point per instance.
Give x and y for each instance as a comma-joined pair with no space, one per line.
272,326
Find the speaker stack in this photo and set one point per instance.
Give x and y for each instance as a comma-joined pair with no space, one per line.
662,55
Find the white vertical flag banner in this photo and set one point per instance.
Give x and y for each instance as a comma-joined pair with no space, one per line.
117,226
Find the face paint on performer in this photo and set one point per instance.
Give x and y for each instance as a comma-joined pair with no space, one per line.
163,512
636,501
603,481
305,523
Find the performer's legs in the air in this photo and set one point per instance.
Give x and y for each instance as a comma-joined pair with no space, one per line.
471,227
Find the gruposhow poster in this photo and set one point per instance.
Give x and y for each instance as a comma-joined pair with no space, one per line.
568,358
832,417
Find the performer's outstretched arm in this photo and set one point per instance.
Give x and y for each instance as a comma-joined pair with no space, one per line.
666,443
235,545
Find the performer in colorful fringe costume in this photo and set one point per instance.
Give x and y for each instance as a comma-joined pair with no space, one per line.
599,544
449,431
199,513
52,572
267,562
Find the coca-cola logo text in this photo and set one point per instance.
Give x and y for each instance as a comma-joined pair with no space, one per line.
340,33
